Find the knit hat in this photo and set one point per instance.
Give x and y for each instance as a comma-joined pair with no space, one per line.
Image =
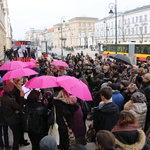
98,68
147,76
48,143
138,97
8,86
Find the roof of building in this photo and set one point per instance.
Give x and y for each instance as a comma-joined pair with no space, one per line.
79,18
137,9
50,30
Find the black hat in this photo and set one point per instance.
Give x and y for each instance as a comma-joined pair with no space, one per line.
101,76
115,75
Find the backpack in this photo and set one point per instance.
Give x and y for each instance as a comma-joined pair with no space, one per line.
31,121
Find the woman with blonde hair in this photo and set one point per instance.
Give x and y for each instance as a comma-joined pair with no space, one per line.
126,132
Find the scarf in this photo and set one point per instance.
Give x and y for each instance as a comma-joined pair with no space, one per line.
129,127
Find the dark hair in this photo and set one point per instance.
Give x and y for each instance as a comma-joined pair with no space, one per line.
33,96
106,91
125,118
105,139
77,147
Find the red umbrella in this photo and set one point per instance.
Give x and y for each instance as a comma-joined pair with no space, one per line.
75,87
59,63
22,72
11,65
42,82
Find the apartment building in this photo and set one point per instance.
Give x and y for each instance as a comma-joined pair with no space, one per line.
132,25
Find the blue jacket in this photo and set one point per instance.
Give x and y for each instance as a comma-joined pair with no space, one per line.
118,99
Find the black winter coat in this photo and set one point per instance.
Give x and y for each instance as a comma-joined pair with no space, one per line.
105,118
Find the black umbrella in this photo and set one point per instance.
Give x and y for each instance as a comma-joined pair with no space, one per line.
121,58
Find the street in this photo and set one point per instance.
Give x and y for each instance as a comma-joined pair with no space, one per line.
58,52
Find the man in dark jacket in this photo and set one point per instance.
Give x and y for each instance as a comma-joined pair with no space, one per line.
107,113
10,110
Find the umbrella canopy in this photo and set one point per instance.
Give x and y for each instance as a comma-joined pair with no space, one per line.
11,65
42,82
33,60
59,63
30,65
22,72
75,87
121,58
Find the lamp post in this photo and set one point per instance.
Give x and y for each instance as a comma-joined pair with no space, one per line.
61,38
114,6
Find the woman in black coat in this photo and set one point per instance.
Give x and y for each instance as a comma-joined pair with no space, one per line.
34,106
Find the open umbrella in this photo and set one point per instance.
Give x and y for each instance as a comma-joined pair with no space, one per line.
22,72
30,65
33,60
121,58
59,63
75,87
11,65
42,82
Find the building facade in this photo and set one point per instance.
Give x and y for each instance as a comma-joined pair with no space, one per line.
133,25
33,36
5,28
77,32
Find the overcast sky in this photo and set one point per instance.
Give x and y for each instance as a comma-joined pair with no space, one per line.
40,14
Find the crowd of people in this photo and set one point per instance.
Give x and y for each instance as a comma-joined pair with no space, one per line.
119,114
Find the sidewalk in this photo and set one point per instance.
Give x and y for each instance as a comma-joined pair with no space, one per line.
89,146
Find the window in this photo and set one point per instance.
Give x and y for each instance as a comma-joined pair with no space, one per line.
136,30
132,30
125,31
132,19
128,20
145,30
140,18
128,31
145,17
141,30
136,19
119,23
124,21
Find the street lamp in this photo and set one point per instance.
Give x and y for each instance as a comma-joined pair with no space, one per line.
61,38
114,6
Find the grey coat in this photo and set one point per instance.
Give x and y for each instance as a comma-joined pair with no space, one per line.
139,110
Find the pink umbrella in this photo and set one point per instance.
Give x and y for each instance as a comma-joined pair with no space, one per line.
11,65
75,87
22,72
30,65
59,63
42,82
33,60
